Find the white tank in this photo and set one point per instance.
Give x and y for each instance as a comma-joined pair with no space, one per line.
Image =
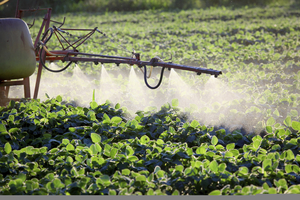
17,56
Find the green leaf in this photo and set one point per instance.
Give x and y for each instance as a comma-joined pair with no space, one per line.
94,149
116,120
113,152
125,172
65,141
175,102
145,139
2,128
269,129
7,148
244,170
74,172
215,192
256,144
194,124
201,150
59,98
13,130
290,155
271,121
296,125
288,168
213,166
96,138
105,180
93,105
222,167
112,192
272,191
70,147
176,192
129,151
267,165
140,178
118,106
288,121
150,192
214,140
230,146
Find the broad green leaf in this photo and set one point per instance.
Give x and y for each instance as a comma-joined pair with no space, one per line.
105,180
132,158
150,192
290,155
176,192
93,105
74,172
145,139
59,98
258,138
160,142
215,192
91,115
112,192
140,178
175,102
7,148
57,183
129,151
288,168
244,170
194,124
70,147
116,120
265,186
267,165
269,129
201,150
96,138
179,168
288,121
296,125
125,172
113,152
256,144
118,106
94,149
156,169
230,146
271,121
69,159
2,128
222,167
13,130
65,141
213,166
214,140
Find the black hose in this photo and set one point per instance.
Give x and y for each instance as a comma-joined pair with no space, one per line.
160,79
42,49
51,32
51,70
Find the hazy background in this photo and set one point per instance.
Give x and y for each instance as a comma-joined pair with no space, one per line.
59,6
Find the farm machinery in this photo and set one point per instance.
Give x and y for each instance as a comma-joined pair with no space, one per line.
19,54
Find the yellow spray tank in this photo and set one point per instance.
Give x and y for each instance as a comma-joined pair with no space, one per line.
17,55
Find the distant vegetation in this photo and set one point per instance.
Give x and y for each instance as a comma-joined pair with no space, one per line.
8,9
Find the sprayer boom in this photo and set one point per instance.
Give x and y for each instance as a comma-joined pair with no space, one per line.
69,51
73,56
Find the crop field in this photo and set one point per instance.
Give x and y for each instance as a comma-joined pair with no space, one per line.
99,130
